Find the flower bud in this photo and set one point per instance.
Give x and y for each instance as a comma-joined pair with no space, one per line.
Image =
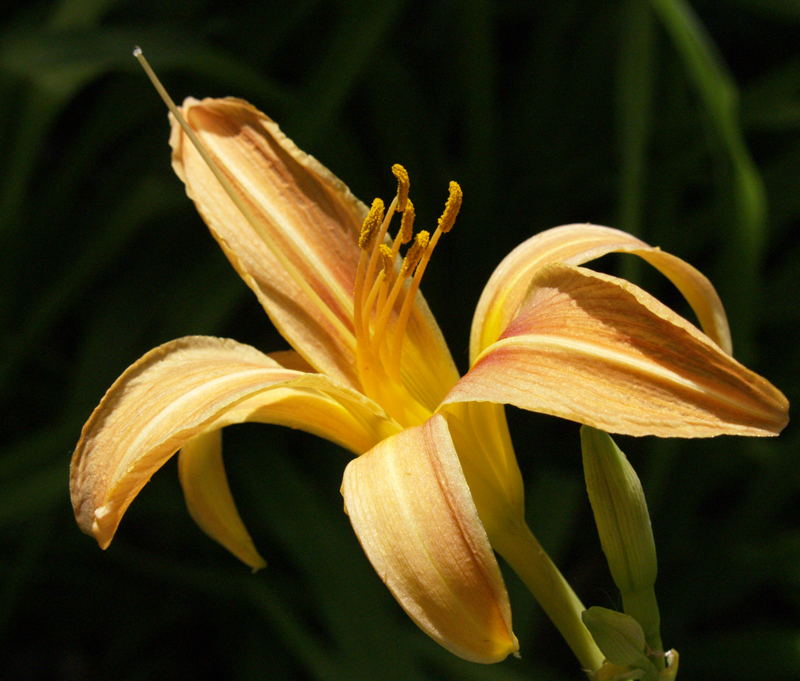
620,512
623,524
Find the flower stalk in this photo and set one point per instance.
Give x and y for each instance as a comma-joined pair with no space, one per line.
522,551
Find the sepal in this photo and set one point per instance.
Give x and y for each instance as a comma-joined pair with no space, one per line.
621,639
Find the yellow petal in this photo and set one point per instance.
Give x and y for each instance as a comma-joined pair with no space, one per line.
209,498
576,245
300,254
309,214
411,508
600,351
336,415
188,386
318,405
427,367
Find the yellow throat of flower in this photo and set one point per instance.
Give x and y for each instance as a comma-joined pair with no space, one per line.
380,292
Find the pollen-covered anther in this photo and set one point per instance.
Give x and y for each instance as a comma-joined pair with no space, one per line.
407,223
403,185
451,208
372,223
415,254
387,256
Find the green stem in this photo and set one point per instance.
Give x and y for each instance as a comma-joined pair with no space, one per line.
528,559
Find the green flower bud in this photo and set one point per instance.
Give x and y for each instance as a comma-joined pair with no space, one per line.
620,512
626,535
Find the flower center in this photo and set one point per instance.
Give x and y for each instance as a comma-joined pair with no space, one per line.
383,300
384,296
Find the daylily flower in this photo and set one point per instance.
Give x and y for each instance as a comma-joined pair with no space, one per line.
435,483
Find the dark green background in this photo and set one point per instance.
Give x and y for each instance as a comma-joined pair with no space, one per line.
683,128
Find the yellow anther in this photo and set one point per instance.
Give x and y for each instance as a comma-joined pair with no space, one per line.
414,254
451,208
407,223
387,255
372,223
403,185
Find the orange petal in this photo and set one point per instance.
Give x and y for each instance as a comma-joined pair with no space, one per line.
185,388
209,498
600,351
309,214
576,245
300,252
411,508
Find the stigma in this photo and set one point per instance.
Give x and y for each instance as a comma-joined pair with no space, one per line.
385,289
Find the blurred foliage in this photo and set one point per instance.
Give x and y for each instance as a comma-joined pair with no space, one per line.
678,123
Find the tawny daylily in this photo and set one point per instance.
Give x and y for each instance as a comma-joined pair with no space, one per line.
435,483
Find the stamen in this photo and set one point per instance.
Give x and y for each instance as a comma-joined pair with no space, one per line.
446,223
344,333
406,230
373,231
379,342
403,185
387,256
372,224
376,252
451,208
413,257
370,301
361,325
414,254
407,223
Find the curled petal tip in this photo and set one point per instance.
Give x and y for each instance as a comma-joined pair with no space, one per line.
598,350
177,397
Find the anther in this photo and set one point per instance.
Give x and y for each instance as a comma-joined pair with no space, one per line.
387,255
407,223
451,208
403,185
414,254
372,223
